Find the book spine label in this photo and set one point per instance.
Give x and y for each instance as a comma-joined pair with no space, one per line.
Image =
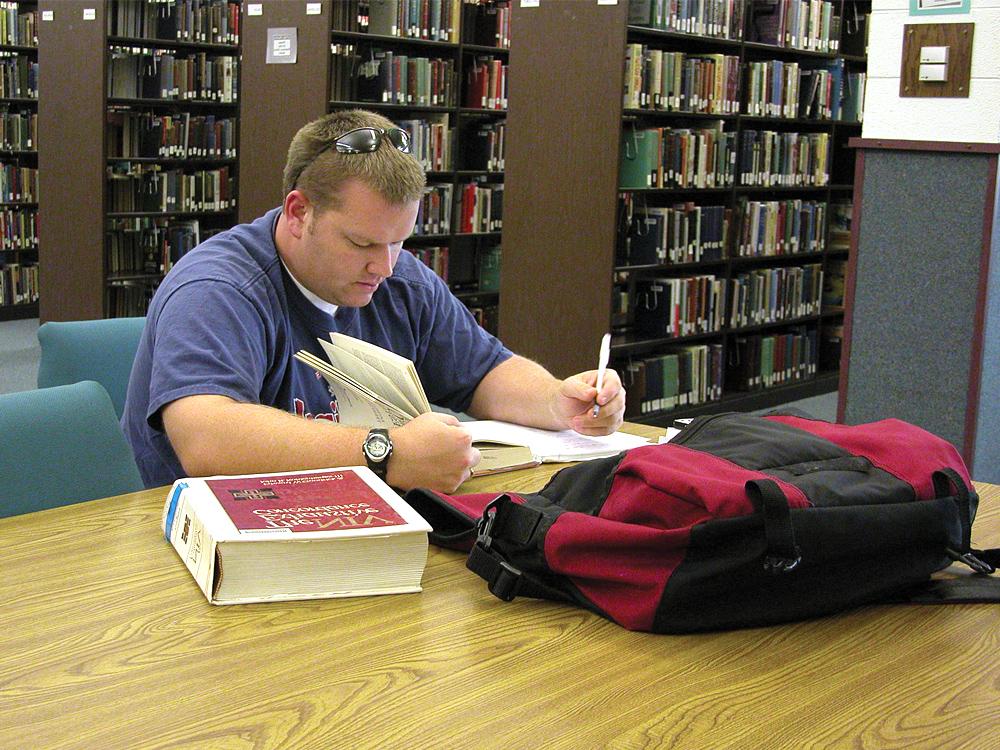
171,512
186,532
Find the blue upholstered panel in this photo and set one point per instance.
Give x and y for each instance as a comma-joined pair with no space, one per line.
915,294
100,350
61,445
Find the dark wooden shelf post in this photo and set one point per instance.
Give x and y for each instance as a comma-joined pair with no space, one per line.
566,67
71,86
278,99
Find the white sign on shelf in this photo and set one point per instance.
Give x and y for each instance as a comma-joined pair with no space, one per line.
90,14
282,46
255,9
314,9
48,15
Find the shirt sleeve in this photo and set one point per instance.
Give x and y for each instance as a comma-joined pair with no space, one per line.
458,352
210,340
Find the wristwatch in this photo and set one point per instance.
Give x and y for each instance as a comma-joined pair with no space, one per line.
377,449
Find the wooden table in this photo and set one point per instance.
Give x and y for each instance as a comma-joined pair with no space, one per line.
106,642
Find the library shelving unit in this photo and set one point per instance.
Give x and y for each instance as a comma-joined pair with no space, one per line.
685,184
18,160
151,88
442,76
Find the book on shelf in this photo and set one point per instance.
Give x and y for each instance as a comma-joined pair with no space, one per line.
854,97
840,224
489,269
376,387
383,17
319,533
833,284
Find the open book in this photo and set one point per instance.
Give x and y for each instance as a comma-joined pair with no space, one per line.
505,446
374,387
378,388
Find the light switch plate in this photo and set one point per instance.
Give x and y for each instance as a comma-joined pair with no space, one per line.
933,54
933,72
957,38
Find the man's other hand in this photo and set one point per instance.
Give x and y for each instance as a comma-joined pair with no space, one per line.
431,451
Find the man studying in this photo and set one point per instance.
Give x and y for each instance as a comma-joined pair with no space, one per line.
215,388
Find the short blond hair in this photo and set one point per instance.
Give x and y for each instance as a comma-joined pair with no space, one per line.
320,171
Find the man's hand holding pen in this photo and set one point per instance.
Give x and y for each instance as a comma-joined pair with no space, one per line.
577,395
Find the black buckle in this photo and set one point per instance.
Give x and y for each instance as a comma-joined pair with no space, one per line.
775,564
972,561
503,579
485,526
505,582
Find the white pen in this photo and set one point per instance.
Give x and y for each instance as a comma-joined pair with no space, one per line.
602,365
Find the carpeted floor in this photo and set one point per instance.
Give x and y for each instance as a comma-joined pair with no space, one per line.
18,355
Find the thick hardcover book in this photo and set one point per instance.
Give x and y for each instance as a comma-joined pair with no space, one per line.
296,535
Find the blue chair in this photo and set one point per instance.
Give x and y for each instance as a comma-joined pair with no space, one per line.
101,350
61,446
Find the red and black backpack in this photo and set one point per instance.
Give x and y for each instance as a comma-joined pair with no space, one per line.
740,521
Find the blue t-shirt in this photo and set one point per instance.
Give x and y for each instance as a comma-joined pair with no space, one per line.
228,318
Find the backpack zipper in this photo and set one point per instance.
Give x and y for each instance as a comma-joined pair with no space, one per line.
696,426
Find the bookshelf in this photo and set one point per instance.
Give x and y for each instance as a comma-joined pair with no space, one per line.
18,160
443,77
346,51
155,84
593,241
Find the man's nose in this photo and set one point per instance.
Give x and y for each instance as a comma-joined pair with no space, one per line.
382,262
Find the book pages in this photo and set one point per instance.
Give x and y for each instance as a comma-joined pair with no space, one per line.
551,445
398,369
362,372
356,403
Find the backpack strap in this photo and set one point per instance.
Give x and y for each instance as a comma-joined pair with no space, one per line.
969,589
506,520
979,587
783,554
453,518
948,482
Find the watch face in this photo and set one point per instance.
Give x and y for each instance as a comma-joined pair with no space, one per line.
377,447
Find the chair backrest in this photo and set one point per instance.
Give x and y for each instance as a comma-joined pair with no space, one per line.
60,446
101,350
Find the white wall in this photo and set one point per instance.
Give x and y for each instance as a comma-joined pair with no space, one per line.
973,120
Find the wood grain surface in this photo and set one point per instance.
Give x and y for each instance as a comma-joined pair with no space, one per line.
106,642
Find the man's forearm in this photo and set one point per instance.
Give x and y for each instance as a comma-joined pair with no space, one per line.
216,435
520,391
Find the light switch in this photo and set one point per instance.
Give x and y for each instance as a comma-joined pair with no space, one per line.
936,59
933,72
934,55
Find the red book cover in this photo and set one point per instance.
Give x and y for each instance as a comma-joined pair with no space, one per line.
315,501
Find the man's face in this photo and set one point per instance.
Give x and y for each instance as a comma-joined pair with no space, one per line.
347,252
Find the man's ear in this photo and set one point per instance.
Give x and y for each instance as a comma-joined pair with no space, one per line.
296,210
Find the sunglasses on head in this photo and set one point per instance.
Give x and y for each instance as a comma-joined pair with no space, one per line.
366,140
363,141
